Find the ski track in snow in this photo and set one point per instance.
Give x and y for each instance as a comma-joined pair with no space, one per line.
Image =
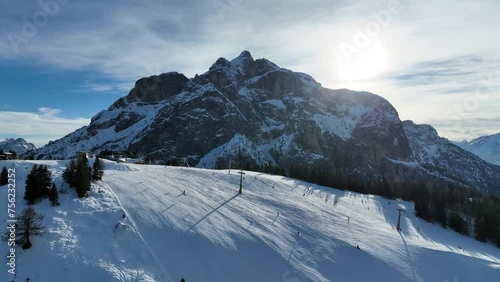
140,236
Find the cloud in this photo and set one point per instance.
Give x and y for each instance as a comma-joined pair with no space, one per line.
435,57
466,129
39,127
48,112
104,88
457,70
168,36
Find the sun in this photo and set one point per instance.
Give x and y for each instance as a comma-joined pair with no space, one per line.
364,63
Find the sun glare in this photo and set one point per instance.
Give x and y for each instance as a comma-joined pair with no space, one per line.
363,64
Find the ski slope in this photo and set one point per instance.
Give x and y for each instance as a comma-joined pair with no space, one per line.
279,229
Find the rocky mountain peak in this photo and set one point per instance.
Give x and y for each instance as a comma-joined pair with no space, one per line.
243,61
220,63
486,147
154,89
19,145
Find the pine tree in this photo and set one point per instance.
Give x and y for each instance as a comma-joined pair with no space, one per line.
29,223
481,227
97,169
458,224
69,174
4,177
31,186
54,195
83,177
44,181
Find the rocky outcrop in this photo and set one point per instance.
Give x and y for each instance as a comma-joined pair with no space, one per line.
154,89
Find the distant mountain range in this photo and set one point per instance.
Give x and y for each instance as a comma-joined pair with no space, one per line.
486,147
19,145
259,113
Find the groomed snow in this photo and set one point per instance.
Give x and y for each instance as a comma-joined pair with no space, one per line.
212,233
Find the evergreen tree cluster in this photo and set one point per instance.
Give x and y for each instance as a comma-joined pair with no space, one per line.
78,174
38,184
487,218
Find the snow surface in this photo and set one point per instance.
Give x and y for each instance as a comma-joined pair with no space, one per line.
276,103
341,126
212,233
81,140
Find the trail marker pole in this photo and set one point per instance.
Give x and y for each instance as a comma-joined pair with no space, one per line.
399,218
241,181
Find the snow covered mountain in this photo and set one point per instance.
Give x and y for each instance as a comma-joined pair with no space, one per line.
279,229
19,145
256,112
486,147
440,157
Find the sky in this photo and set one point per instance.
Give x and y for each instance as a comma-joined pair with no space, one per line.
63,61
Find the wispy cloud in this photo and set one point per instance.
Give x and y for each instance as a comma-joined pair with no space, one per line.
38,127
187,37
108,88
458,130
456,70
435,58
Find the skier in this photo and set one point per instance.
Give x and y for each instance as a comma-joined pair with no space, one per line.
357,247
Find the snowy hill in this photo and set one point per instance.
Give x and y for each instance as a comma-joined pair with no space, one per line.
212,233
19,145
486,147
